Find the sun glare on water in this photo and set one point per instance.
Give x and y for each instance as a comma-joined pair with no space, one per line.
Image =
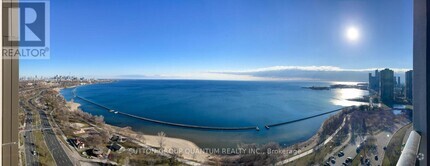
342,95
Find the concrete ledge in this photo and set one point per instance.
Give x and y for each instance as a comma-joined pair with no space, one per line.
410,151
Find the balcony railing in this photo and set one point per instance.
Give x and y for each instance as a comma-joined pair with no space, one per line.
410,152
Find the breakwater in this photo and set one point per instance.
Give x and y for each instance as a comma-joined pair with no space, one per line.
169,123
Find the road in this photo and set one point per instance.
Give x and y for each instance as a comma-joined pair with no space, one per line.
29,146
337,149
349,151
383,139
284,162
52,142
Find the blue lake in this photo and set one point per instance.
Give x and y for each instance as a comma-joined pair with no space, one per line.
216,104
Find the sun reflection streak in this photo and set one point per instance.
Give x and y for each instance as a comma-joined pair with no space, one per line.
342,95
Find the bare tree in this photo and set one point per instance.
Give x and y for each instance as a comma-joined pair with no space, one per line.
267,154
94,139
99,119
161,139
105,135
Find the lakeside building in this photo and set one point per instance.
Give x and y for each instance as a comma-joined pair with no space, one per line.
395,81
398,82
374,81
408,84
386,88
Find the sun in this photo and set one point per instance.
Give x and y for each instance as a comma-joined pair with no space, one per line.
352,34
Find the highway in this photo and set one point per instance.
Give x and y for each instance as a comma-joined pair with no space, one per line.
29,146
52,142
303,154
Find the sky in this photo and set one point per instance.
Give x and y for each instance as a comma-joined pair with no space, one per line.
225,39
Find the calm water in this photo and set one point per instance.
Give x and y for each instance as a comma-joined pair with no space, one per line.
216,103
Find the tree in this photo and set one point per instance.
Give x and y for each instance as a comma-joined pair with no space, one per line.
94,139
161,139
363,107
254,154
99,119
105,135
364,127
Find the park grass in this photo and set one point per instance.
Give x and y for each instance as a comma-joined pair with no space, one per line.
22,156
411,107
21,116
129,144
45,157
36,118
394,148
21,149
356,160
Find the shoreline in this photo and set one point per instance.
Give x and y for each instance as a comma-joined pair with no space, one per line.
192,151
302,146
189,149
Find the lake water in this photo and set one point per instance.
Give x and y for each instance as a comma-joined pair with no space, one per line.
217,104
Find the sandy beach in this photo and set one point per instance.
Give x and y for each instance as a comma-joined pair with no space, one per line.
73,106
187,149
57,89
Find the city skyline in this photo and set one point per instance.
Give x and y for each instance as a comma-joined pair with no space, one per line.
322,72
226,40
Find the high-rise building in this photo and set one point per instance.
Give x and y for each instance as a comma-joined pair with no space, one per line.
408,84
386,87
398,81
374,81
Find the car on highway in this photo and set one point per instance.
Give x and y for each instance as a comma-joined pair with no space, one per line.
333,161
340,154
34,153
367,161
348,160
